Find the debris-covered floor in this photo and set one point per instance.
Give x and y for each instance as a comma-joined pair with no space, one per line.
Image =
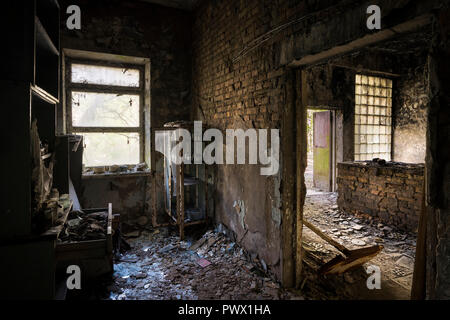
160,266
396,260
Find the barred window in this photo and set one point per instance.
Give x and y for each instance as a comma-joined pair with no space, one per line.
373,118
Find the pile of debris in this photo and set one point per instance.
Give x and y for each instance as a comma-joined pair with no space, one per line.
116,169
82,226
160,266
354,231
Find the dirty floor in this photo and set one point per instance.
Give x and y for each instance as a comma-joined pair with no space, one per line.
396,260
160,266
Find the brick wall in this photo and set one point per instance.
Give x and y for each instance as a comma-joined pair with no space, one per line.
393,193
233,91
240,50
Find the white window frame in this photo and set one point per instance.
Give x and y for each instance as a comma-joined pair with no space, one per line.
103,59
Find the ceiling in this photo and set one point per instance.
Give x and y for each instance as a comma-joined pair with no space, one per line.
187,5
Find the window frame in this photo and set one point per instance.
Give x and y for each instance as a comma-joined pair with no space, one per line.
143,90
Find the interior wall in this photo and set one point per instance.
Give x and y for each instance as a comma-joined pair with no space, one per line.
411,99
135,28
127,194
240,80
438,163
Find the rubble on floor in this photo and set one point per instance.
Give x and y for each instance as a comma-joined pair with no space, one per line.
160,266
396,260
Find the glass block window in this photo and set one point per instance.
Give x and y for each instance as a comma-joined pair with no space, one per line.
373,118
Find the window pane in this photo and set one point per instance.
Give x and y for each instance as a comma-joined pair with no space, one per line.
90,109
83,73
110,148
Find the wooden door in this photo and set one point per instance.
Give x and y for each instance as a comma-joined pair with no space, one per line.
322,156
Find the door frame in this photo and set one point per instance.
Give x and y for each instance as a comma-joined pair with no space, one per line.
333,142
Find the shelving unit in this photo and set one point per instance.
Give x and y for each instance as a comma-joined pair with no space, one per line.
30,93
185,190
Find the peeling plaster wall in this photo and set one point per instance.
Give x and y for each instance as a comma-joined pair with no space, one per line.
411,99
130,196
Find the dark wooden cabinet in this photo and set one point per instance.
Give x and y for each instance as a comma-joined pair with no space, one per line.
30,92
29,84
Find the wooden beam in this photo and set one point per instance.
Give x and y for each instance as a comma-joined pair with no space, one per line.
328,239
288,181
418,290
367,40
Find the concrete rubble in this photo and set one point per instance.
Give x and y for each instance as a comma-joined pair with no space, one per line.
396,260
160,266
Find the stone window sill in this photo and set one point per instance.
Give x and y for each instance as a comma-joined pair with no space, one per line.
107,175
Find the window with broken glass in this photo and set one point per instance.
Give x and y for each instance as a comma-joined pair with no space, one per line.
105,106
373,118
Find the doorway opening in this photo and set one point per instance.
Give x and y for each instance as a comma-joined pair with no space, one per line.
323,136
362,159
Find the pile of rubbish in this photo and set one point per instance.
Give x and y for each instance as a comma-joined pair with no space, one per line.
160,266
116,169
82,226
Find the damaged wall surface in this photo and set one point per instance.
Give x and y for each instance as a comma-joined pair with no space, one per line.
438,164
240,51
411,99
392,193
130,196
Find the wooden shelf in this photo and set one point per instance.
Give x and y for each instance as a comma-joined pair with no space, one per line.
44,95
43,40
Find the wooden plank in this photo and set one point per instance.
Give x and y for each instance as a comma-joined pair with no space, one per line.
355,258
44,95
418,289
80,245
331,241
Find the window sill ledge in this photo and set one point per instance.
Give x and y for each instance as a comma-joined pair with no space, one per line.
107,175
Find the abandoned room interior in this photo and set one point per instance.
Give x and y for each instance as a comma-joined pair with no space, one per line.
339,190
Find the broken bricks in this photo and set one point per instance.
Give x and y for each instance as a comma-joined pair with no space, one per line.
173,269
